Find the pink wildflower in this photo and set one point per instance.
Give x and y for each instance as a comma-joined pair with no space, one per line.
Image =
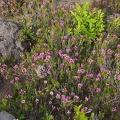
24,70
90,75
98,90
23,101
80,85
81,71
114,109
51,93
58,96
90,61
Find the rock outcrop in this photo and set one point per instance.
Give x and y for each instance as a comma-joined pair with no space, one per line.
6,116
10,39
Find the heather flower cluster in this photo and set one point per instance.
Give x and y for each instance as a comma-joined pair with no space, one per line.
70,70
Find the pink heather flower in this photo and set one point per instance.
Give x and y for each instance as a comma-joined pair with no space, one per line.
98,75
22,91
5,77
33,64
118,46
1,70
97,79
76,54
43,5
8,96
16,78
114,109
93,51
109,51
105,70
15,67
117,72
53,12
70,60
61,23
99,39
72,6
90,75
108,36
33,79
12,81
62,64
89,110
66,56
90,61
60,52
117,55
51,93
41,55
65,37
105,41
45,45
86,99
82,36
73,39
67,71
58,96
23,101
52,33
81,71
68,112
50,102
63,41
45,82
24,4
84,109
80,85
75,59
76,77
68,50
115,36
64,90
47,59
76,48
72,93
76,97
36,100
24,70
38,15
82,65
49,52
103,52
118,77
37,33
4,65
98,90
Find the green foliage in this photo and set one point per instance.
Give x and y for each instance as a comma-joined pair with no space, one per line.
79,115
88,23
114,25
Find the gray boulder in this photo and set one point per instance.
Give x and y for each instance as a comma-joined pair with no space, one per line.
6,116
10,39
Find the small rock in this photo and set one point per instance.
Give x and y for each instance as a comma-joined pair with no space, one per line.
41,71
6,116
10,39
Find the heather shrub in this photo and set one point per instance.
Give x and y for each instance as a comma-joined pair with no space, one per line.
61,77
108,6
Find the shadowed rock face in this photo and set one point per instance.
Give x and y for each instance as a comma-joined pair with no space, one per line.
10,39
